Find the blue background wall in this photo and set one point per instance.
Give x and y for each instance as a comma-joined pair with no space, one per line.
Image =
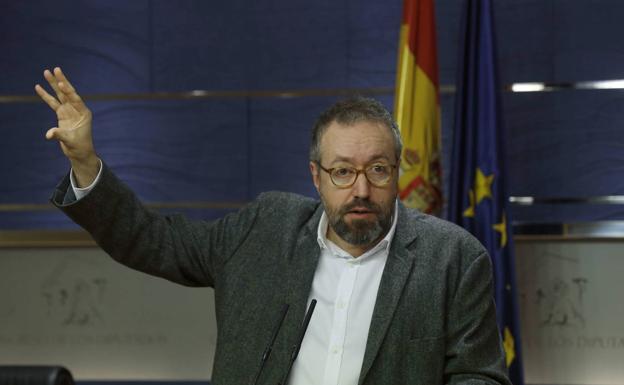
226,149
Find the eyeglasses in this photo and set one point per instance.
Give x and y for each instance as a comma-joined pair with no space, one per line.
377,174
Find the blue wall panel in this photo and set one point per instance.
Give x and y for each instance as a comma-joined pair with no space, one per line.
199,45
104,45
296,46
543,40
525,40
182,151
30,166
565,144
165,150
448,14
176,150
525,37
280,138
51,219
373,35
588,44
559,144
566,213
241,45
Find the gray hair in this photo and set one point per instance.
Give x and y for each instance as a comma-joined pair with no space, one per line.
351,111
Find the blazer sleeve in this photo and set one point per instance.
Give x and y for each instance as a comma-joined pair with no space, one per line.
191,253
474,351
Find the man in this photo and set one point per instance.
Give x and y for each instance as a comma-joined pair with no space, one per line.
403,298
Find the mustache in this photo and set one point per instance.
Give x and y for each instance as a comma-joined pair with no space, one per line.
359,202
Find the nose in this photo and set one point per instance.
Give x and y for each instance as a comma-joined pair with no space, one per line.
361,187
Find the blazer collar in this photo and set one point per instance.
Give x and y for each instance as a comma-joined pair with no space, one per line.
393,280
302,262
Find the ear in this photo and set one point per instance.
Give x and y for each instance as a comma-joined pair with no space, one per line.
314,170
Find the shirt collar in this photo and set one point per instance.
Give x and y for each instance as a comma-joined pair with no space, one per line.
383,244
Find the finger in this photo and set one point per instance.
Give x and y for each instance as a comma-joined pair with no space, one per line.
71,95
52,133
46,97
55,133
58,73
68,89
53,81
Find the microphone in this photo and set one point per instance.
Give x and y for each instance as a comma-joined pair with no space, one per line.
295,350
269,348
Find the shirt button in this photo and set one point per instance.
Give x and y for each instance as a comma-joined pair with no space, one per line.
335,350
340,305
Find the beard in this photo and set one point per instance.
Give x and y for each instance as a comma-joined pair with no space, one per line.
360,232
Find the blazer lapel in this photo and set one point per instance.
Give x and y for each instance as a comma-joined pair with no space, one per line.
395,275
301,265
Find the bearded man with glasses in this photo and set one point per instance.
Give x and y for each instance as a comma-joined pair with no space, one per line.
403,297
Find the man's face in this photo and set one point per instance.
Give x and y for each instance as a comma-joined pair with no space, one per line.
360,214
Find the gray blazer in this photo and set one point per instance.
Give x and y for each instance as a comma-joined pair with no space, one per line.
434,318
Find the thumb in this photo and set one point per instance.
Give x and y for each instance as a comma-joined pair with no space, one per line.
53,133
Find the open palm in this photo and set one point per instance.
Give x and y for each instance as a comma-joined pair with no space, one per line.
74,118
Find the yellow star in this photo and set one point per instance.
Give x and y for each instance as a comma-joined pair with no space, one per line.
483,185
502,228
509,346
469,212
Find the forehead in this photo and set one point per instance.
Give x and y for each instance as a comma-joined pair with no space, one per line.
358,143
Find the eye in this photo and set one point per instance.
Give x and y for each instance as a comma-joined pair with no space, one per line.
379,169
342,172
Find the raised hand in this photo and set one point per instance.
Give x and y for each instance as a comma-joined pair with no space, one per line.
74,126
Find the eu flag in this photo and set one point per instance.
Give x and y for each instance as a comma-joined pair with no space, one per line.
478,199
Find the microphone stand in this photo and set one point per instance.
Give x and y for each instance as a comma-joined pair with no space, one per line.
296,347
269,348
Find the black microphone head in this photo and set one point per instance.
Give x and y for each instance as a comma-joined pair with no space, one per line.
35,375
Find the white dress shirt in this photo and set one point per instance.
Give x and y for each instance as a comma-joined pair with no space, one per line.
80,192
346,290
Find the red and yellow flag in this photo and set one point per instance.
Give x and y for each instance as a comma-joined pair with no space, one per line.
417,108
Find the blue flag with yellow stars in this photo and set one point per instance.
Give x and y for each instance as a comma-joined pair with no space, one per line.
478,199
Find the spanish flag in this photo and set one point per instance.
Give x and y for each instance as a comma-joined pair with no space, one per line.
417,108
